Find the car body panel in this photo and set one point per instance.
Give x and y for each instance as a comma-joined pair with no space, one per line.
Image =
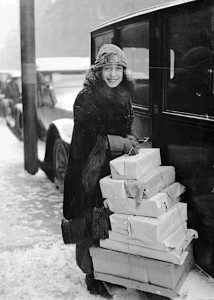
59,80
64,128
54,64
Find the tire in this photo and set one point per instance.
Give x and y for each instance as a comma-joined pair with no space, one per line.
60,159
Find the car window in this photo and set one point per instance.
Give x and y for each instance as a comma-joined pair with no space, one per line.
106,38
135,44
3,80
45,90
12,90
189,83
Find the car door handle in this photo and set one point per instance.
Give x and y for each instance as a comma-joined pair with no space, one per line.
145,139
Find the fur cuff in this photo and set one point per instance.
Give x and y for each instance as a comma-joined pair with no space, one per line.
93,167
115,144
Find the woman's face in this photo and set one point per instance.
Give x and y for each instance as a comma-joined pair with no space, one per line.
112,74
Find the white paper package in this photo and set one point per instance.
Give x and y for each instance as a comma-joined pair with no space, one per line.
149,229
176,256
169,243
135,166
144,187
141,269
151,183
152,207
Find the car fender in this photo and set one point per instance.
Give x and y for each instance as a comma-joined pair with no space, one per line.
64,128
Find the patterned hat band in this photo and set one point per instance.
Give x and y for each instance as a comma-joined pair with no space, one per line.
108,59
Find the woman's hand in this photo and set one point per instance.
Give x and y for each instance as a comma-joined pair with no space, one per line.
131,137
130,146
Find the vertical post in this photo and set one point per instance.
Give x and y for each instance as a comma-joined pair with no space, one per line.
27,30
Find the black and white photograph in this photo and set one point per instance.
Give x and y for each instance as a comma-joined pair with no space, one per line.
107,149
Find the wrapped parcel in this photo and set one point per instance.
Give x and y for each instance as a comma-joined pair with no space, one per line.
135,166
176,255
149,229
138,268
169,243
144,187
149,241
152,207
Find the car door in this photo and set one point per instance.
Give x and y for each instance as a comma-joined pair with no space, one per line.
184,124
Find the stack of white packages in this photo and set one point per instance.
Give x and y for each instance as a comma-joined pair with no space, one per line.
148,219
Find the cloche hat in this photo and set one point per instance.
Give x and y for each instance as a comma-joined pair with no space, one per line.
110,54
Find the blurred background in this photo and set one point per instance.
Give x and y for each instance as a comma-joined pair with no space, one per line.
62,27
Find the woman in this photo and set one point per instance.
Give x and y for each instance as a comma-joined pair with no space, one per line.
102,130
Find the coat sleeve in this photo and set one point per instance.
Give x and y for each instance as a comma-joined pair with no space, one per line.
116,144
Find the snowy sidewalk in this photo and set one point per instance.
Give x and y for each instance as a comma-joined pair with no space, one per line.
34,262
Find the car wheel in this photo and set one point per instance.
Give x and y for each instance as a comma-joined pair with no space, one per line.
60,159
19,124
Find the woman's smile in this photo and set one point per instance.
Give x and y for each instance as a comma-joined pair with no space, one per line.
112,74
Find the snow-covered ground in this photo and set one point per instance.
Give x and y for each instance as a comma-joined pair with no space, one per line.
34,262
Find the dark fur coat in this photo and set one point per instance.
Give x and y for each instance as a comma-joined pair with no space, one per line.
98,112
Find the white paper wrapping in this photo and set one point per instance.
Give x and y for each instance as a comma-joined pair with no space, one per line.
135,166
141,269
112,188
148,229
144,187
176,256
151,183
152,207
169,243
